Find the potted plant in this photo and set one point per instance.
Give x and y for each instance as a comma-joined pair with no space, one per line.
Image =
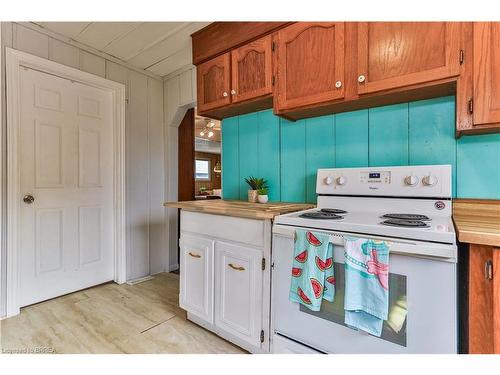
262,196
255,184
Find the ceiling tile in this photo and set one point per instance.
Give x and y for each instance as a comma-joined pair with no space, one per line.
99,34
141,39
168,46
173,62
68,29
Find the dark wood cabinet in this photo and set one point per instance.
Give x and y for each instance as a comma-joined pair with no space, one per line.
399,54
251,70
309,65
213,83
484,300
486,75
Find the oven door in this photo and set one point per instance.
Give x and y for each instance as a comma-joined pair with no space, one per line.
422,301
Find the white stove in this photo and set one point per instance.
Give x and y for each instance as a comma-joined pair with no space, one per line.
410,208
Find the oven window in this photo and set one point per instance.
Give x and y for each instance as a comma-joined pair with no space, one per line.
394,328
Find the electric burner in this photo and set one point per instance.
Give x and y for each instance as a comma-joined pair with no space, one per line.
333,211
321,215
410,217
405,223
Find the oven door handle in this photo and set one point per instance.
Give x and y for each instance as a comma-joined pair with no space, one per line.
425,250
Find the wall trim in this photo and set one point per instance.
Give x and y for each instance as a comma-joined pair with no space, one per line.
14,60
62,38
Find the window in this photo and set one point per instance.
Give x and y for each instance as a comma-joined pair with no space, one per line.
202,170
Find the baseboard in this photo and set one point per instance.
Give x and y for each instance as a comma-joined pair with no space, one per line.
173,267
140,280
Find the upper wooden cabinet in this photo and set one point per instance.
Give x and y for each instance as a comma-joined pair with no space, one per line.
486,74
214,83
251,70
309,64
399,54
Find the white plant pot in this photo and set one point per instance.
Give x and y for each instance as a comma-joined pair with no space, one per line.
263,198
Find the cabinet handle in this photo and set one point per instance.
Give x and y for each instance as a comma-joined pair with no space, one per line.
361,78
338,84
488,270
237,268
224,94
194,255
233,92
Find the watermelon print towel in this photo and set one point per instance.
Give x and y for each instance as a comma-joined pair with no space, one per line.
366,300
312,270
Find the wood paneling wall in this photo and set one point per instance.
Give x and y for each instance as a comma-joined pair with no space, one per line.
215,178
145,143
415,133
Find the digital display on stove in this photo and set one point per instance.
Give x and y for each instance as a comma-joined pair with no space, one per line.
374,175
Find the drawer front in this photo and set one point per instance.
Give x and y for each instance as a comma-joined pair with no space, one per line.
247,231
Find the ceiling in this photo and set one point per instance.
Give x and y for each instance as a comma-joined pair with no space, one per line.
158,47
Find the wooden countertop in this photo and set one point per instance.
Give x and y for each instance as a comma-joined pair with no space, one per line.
239,208
477,221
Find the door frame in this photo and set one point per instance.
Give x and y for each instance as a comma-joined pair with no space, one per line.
14,61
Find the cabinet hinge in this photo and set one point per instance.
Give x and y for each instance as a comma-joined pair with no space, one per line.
263,264
262,336
461,56
273,46
488,270
471,106
272,80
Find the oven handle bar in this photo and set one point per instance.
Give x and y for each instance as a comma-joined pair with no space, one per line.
401,247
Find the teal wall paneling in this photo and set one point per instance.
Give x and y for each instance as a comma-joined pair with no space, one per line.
351,135
416,133
432,133
293,161
230,159
478,166
320,150
248,148
268,152
388,135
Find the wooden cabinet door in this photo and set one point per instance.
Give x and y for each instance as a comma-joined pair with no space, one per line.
196,276
238,286
486,73
251,70
398,54
213,83
310,64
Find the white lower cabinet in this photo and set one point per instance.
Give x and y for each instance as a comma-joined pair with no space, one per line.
224,279
196,281
238,291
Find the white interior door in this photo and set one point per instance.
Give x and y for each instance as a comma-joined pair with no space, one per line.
66,165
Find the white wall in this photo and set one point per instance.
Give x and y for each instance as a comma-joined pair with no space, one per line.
180,95
145,141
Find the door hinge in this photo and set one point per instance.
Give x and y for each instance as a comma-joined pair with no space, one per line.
272,80
262,336
263,264
471,106
273,46
488,270
461,56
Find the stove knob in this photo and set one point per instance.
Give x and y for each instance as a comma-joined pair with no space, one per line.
328,180
341,180
429,180
411,180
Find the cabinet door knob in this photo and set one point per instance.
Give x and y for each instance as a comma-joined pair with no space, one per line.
233,92
224,94
338,84
361,78
194,255
237,268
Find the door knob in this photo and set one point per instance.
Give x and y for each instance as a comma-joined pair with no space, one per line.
28,199
338,84
224,94
361,78
233,92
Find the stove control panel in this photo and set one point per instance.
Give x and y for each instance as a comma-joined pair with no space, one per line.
407,181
